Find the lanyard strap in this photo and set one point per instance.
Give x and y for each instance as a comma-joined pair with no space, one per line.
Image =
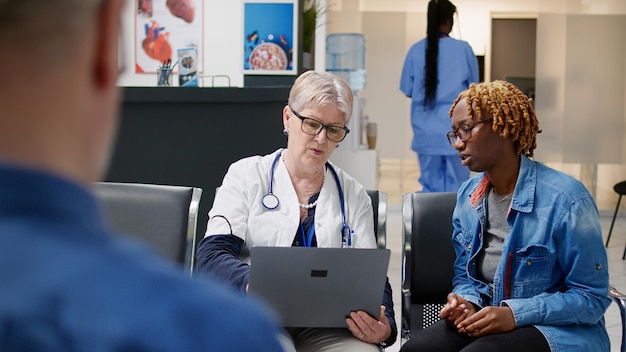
307,240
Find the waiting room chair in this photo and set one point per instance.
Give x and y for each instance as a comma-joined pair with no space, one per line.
620,189
379,204
163,216
620,300
427,258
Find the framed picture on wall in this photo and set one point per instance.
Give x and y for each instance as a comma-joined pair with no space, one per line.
270,37
162,27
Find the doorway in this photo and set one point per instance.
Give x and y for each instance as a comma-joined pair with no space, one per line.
513,52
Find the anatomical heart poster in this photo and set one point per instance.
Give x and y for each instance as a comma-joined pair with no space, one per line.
164,26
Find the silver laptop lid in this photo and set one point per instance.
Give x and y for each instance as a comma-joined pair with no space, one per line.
319,287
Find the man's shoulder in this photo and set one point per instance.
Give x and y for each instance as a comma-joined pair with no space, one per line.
219,315
112,291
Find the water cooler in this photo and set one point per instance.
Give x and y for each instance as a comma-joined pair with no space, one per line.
345,57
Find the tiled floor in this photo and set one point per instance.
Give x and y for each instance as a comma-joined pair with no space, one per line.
389,182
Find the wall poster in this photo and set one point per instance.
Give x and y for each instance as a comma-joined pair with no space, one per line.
270,37
162,27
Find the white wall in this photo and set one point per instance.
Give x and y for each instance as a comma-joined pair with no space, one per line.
581,88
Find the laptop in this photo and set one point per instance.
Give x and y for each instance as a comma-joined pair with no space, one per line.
318,287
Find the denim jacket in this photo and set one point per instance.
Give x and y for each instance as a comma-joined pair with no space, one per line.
553,271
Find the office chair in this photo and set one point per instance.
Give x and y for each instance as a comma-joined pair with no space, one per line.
165,217
620,189
379,204
620,300
427,258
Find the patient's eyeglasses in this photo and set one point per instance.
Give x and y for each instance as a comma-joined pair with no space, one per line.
464,132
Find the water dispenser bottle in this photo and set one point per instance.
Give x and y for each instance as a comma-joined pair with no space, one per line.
345,57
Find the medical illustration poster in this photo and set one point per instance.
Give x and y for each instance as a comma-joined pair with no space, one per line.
270,37
162,27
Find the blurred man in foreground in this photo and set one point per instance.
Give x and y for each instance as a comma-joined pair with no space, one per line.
67,282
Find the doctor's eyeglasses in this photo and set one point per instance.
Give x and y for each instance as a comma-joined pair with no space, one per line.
313,127
464,132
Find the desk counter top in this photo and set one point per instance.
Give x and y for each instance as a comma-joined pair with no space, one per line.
205,95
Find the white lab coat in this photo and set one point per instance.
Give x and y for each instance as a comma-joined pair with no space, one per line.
247,181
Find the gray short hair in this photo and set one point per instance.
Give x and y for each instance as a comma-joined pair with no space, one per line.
317,88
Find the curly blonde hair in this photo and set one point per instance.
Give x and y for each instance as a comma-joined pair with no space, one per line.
512,112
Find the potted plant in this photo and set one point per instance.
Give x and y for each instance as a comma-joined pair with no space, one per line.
311,10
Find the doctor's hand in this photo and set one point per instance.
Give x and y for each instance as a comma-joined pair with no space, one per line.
456,310
368,329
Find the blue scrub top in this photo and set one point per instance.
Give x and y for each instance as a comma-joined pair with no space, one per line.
457,68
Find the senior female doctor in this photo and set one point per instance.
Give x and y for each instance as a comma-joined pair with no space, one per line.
296,197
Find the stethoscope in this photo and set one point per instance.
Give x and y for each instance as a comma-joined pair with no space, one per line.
271,202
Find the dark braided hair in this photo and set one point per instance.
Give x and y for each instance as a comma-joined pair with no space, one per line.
512,112
439,11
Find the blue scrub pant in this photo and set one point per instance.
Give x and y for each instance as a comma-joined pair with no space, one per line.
441,173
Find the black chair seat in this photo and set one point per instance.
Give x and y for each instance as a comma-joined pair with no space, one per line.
620,188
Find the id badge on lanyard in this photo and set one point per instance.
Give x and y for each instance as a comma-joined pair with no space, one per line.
346,237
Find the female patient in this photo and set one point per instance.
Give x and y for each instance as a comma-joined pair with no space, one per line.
292,198
531,270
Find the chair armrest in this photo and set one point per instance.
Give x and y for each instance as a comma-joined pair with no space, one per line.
407,215
615,294
405,333
382,220
620,299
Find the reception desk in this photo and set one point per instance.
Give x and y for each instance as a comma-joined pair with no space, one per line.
189,136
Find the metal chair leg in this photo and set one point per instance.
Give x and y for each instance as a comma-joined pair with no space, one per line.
613,223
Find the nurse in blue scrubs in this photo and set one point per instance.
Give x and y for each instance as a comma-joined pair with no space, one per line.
436,70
